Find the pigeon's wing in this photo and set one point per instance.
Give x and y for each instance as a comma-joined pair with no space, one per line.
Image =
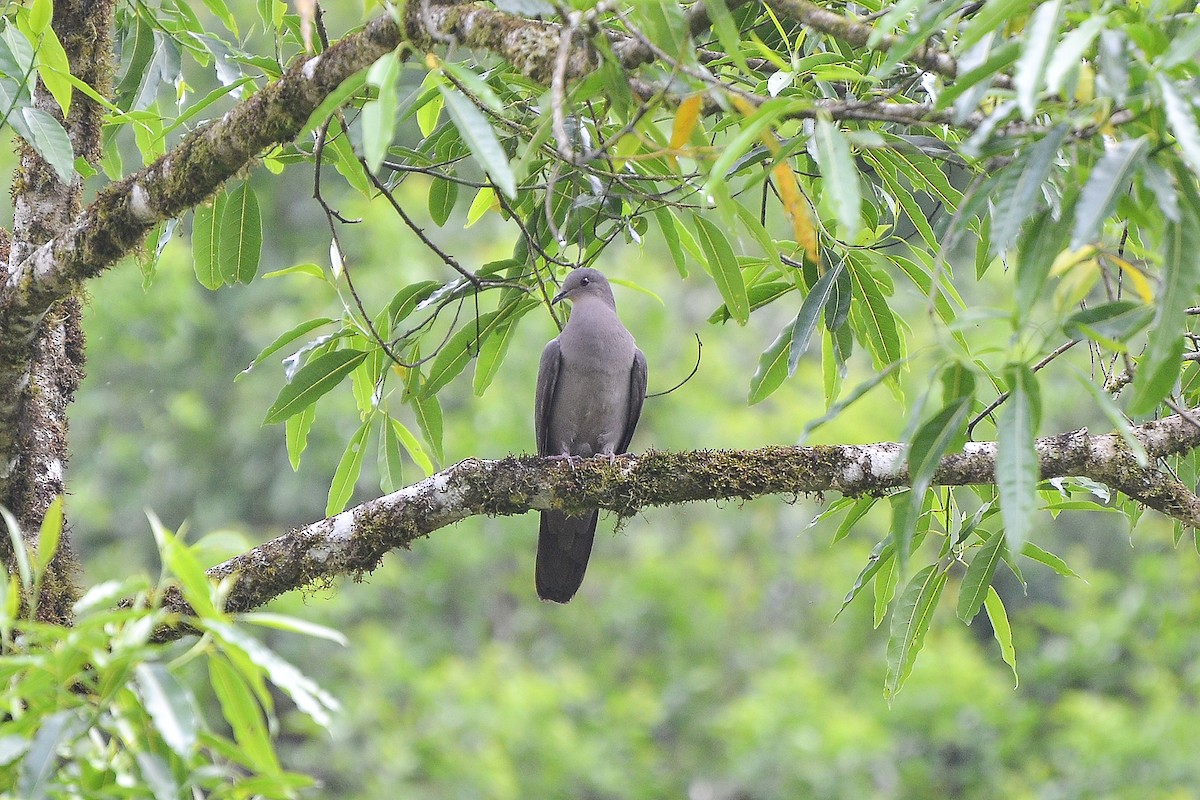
637,395
547,382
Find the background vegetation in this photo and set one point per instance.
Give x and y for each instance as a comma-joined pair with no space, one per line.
706,655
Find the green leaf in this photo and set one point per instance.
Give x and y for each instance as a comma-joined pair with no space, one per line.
284,339
1159,365
1110,177
1001,629
839,178
54,69
205,243
243,714
668,224
1052,561
181,563
1071,50
760,294
910,623
1017,467
295,432
810,311
429,418
944,432
1044,240
1182,119
391,466
873,317
41,760
855,394
1117,320
348,469
282,622
169,706
881,555
48,537
1041,33
406,300
1020,195
240,239
310,698
411,445
18,548
312,381
885,589
442,196
749,133
491,356
50,141
466,341
978,580
861,506
991,17
723,267
772,367
481,140
332,101
379,115
475,84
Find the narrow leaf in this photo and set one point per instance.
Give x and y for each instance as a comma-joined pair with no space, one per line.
49,535
810,311
772,367
481,139
442,196
839,178
1001,629
243,714
169,706
978,580
285,339
50,141
910,623
206,244
1159,366
723,267
1052,561
1182,118
1041,32
312,381
1110,177
1017,467
391,467
466,341
348,469
240,236
378,116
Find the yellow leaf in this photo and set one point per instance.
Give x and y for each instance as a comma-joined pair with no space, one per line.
483,202
1077,283
796,205
1069,258
742,104
1141,284
687,116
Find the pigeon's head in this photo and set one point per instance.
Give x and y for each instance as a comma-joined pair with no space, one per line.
585,282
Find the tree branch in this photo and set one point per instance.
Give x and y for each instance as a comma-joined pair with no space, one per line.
355,541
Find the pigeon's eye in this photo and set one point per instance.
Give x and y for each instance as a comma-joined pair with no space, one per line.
585,281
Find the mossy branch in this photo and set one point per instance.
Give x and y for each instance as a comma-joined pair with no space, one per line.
355,541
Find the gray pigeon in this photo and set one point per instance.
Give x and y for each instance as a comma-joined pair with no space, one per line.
590,388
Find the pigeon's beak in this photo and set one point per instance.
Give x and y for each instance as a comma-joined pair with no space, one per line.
558,297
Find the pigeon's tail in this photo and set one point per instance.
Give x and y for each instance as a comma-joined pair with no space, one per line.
564,544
